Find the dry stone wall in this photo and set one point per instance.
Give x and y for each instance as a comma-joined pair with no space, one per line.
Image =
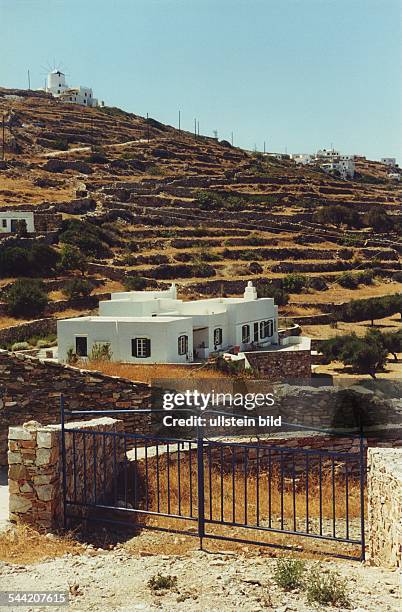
30,389
385,506
35,469
281,365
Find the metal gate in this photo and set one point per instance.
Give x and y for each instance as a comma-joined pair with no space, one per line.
253,493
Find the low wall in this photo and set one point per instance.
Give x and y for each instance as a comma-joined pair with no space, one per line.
281,365
30,389
35,469
384,484
23,331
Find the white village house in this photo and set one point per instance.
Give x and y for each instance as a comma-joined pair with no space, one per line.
57,86
10,221
156,327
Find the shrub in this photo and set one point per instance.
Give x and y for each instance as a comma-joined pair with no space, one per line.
33,260
266,289
294,283
338,215
71,258
289,573
20,346
77,287
135,283
365,277
160,582
326,589
348,280
317,283
378,219
101,352
255,268
26,298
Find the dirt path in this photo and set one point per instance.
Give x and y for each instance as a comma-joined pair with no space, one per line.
226,581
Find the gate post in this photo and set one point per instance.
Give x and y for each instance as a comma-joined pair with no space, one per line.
362,484
63,462
200,485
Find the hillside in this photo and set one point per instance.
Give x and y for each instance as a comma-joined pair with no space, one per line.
173,206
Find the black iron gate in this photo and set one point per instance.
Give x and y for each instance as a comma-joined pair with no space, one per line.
244,492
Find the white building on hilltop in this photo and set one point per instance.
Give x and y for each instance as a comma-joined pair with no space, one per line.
389,161
57,86
156,327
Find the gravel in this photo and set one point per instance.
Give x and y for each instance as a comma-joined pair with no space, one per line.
117,580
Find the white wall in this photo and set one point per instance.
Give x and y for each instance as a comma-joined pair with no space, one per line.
7,216
163,335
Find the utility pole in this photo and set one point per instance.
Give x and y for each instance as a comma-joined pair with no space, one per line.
231,137
179,120
4,136
264,148
195,128
29,80
147,128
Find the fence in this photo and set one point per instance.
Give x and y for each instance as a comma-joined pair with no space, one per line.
226,490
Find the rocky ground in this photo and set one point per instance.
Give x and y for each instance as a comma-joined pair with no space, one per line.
226,580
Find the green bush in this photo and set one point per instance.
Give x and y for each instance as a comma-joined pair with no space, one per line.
294,283
77,287
26,298
326,588
135,283
366,355
33,260
317,283
348,280
338,215
267,289
289,573
71,258
20,346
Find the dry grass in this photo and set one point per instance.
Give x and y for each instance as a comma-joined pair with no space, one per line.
151,372
338,294
263,493
23,544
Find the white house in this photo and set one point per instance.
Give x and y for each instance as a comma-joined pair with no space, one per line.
344,164
57,86
10,221
389,161
302,158
156,327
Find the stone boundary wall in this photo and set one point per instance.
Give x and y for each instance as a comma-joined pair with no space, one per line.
281,365
30,389
35,469
384,483
19,333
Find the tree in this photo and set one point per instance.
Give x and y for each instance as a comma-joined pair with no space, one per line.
135,283
71,258
294,283
26,298
77,287
393,343
366,355
378,219
267,289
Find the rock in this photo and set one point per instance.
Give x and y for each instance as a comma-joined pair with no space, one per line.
19,504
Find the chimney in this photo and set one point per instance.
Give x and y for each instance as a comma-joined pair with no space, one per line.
250,292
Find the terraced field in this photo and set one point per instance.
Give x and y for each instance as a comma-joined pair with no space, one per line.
197,211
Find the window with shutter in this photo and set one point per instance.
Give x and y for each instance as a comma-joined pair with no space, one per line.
218,336
245,333
182,345
141,347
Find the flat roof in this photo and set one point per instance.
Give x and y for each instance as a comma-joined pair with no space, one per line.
147,319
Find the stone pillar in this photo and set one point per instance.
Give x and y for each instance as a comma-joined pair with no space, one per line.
35,469
384,485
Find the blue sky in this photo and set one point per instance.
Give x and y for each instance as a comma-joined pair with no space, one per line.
299,74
